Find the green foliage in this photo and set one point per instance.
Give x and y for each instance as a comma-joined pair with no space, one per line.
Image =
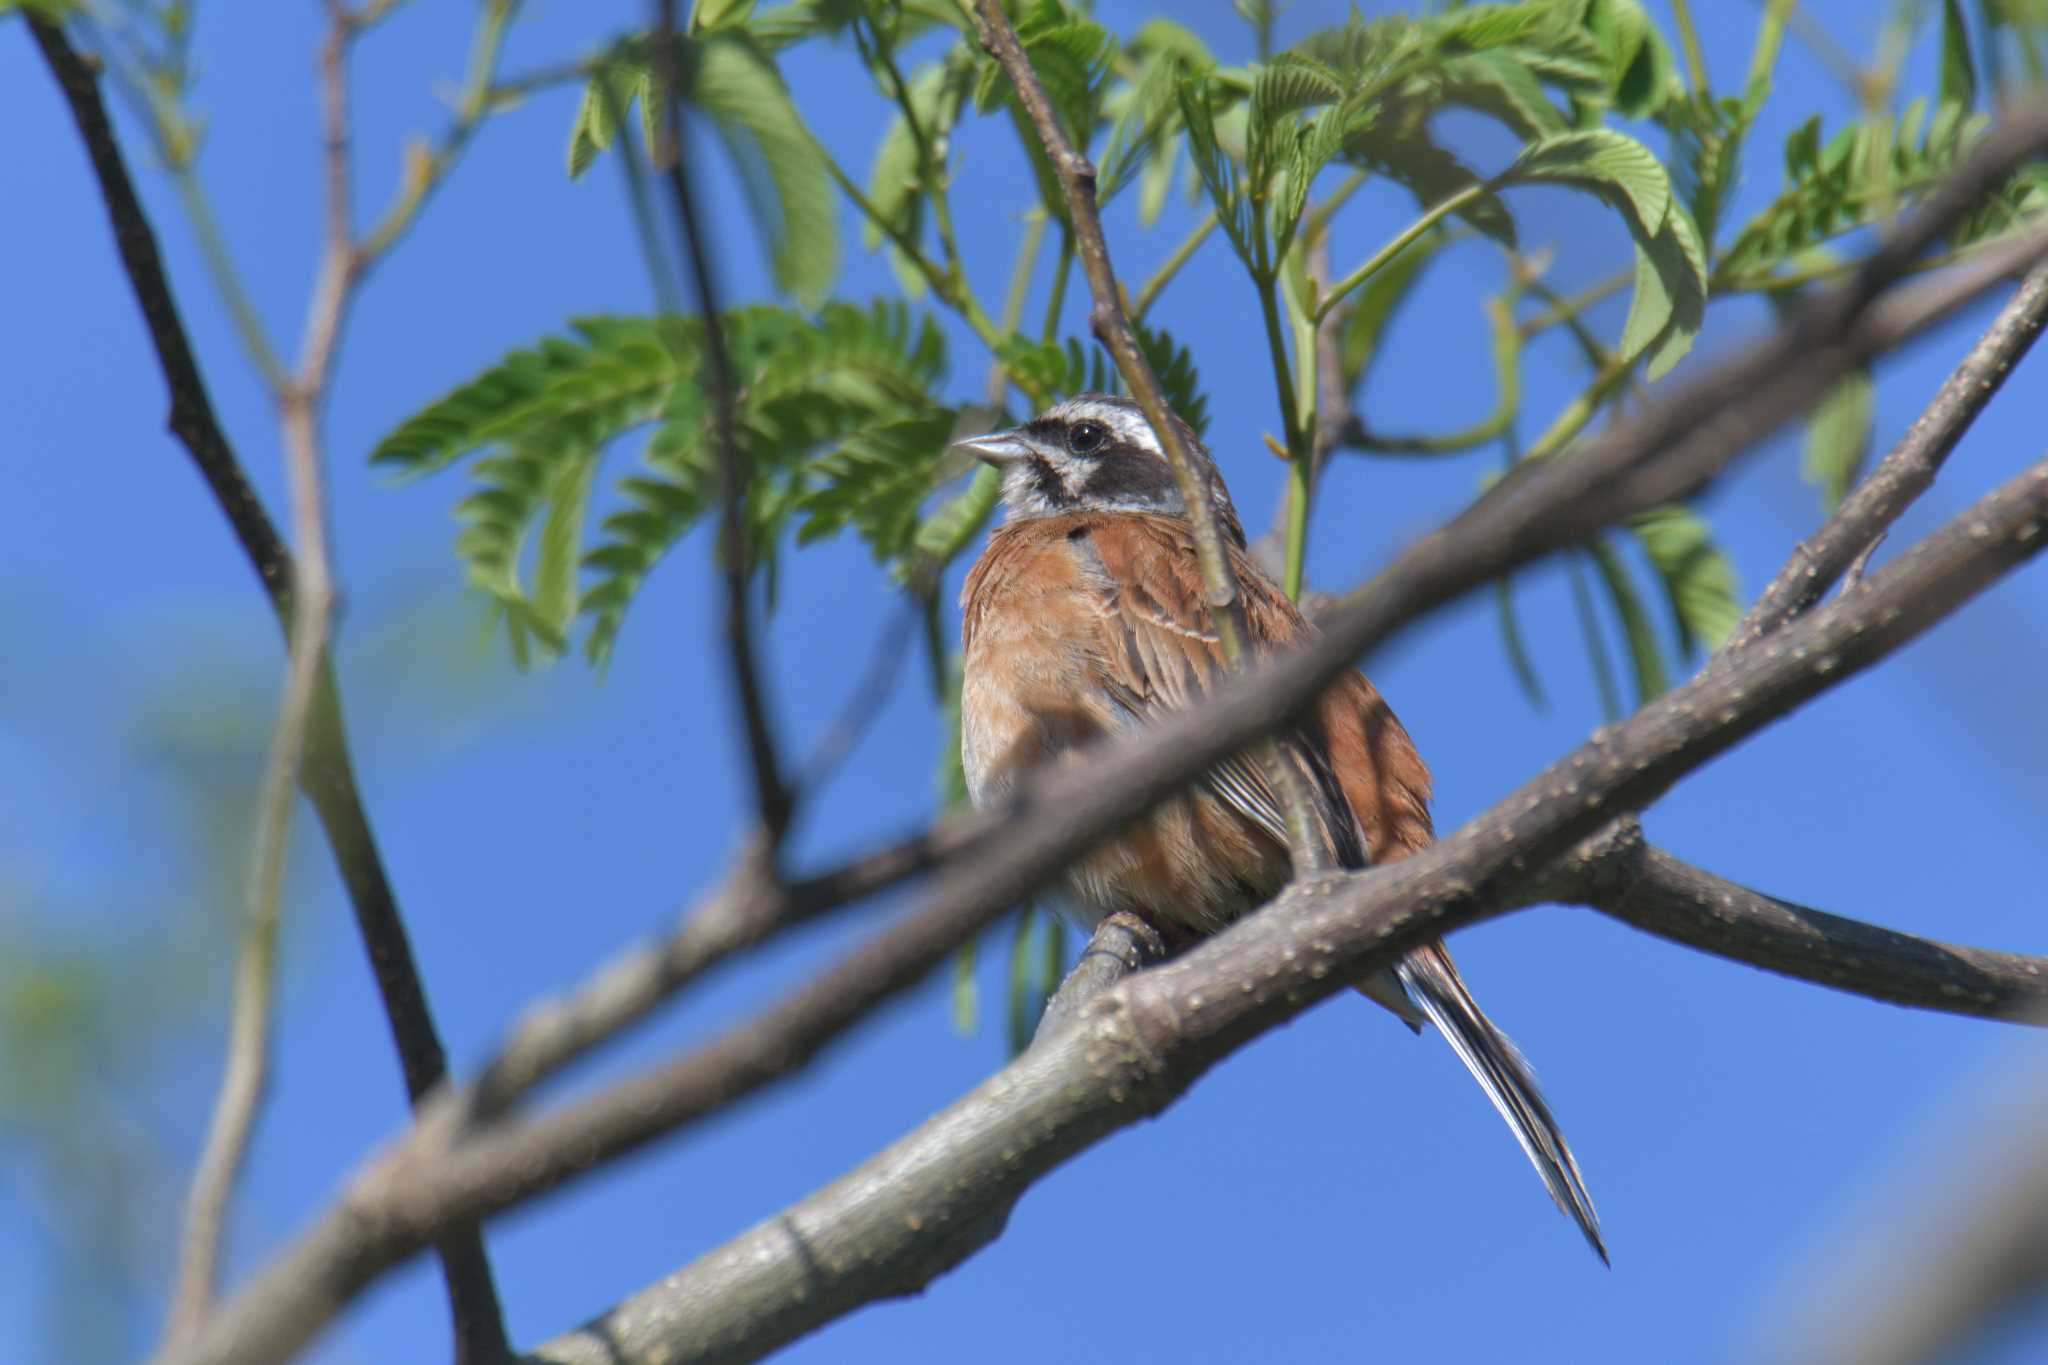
1864,172
835,424
1670,296
733,80
1838,434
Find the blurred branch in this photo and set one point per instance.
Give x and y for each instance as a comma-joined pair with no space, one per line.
1077,184
1191,1012
1947,1251
326,772
773,800
1907,471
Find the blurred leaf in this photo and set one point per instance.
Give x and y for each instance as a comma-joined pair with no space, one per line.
1636,631
966,1001
1838,433
1517,647
1698,578
1589,632
732,80
1374,304
1958,71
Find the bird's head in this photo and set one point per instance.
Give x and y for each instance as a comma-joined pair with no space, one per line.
1095,453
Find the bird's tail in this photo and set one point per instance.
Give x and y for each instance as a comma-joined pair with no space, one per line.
1504,1074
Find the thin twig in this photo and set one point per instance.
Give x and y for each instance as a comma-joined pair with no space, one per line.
773,801
1618,874
326,772
1854,528
1077,183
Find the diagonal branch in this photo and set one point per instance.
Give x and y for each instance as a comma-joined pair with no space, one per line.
1077,183
327,773
1906,472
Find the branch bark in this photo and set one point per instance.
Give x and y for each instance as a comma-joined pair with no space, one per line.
327,772
1855,527
1620,875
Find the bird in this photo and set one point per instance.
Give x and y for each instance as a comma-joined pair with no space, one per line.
1085,618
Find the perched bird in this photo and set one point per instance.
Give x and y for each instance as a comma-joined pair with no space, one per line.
1085,617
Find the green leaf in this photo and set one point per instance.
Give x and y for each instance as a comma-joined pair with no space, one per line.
1643,653
947,532
966,1002
1518,648
784,175
1698,579
1838,433
1589,631
1610,164
561,547
1373,306
731,79
1958,71
1669,302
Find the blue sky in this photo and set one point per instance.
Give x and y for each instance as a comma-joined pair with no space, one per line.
1338,1190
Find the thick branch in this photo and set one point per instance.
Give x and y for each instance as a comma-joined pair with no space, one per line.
1142,1044
1907,471
327,774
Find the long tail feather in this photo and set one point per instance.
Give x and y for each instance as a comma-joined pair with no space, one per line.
1504,1074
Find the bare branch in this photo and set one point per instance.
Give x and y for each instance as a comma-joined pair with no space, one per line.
1618,874
327,772
1077,184
1121,944
1861,520
1945,1255
772,798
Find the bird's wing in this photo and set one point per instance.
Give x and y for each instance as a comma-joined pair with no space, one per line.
1158,652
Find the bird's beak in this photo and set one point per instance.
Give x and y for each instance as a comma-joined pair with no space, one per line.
997,448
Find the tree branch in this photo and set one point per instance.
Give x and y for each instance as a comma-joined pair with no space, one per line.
1618,874
1674,445
772,798
1906,472
327,773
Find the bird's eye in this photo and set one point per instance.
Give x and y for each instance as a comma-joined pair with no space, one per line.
1085,438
